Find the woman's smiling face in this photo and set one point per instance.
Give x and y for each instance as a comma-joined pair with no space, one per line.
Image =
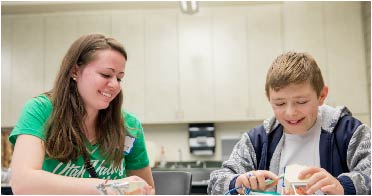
98,81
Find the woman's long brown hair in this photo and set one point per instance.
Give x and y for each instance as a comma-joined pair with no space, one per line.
64,138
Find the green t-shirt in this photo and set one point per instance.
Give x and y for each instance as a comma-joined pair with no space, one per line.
33,118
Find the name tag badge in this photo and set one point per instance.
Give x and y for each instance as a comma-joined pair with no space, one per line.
128,145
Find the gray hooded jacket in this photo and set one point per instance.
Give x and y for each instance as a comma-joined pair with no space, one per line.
357,179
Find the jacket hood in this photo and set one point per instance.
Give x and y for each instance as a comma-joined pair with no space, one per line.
329,116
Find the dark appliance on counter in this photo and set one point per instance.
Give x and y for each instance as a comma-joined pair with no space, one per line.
202,140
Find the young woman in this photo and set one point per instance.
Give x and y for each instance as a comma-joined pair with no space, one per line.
74,137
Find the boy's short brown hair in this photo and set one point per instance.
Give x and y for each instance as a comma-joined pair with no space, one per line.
293,68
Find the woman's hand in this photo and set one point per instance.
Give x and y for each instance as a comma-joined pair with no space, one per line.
144,174
142,190
321,180
255,180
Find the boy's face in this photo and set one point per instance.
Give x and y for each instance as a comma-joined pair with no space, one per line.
296,106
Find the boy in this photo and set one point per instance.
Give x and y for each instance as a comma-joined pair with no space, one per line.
334,145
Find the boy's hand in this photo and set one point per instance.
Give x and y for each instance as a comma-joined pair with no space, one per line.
321,180
255,180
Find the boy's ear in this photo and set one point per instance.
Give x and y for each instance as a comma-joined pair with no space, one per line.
323,95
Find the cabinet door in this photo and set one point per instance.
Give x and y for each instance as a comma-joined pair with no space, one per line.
346,62
196,67
94,23
308,38
6,70
230,65
128,28
27,62
60,33
264,44
161,67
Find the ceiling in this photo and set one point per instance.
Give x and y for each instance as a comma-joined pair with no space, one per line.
30,7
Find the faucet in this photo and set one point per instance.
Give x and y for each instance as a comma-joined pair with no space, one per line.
178,164
203,163
179,155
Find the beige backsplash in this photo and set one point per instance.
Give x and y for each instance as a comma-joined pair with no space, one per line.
175,136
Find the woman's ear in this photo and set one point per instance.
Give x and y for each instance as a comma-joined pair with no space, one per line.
74,72
323,95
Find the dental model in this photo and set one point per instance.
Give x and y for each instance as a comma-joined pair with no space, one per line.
120,188
291,181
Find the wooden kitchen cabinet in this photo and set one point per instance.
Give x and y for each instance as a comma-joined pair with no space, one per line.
328,24
161,67
31,57
231,70
129,29
206,67
93,23
27,62
6,71
60,33
227,79
196,95
343,68
264,44
347,67
308,38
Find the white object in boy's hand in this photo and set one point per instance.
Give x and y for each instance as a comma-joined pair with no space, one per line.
292,182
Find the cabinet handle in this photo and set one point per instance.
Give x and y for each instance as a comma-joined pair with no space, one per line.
179,114
248,112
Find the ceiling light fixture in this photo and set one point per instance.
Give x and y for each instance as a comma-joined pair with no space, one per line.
189,7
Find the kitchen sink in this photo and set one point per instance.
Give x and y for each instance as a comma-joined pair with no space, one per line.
200,176
200,171
193,164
